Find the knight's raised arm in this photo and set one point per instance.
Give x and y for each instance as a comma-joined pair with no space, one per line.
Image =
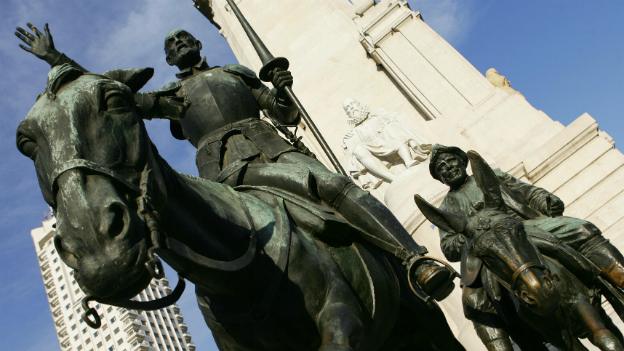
42,45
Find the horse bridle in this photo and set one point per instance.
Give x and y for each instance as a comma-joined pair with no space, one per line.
149,213
517,273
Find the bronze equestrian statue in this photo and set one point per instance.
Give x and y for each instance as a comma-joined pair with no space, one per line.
217,109
494,220
274,269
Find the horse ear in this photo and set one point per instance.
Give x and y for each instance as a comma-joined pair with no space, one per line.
446,221
486,180
134,78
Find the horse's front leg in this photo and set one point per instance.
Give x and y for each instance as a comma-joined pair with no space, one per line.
601,336
339,321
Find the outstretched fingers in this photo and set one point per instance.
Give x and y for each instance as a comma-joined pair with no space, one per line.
46,29
25,48
24,36
37,42
34,29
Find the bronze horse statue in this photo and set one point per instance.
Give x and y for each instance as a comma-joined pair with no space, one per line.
264,281
551,303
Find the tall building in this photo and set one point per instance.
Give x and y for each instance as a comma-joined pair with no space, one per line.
121,330
383,54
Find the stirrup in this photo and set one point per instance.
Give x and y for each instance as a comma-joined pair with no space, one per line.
413,263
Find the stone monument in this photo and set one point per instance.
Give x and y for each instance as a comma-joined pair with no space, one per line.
384,53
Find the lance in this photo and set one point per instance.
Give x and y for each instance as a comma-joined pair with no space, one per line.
271,64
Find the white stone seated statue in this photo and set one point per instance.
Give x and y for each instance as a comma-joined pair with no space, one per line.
374,143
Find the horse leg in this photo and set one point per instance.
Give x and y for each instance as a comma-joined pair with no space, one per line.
494,339
601,336
338,321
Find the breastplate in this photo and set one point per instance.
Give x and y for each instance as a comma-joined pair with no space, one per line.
216,98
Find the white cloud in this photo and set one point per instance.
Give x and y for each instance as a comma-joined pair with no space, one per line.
452,19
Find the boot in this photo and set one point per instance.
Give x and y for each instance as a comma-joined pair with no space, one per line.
610,262
382,229
614,274
435,280
366,212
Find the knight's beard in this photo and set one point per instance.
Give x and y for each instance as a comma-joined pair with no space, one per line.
186,56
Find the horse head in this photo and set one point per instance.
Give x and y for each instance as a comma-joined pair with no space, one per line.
90,150
498,238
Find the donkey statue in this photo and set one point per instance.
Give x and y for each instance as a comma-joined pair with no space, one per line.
537,299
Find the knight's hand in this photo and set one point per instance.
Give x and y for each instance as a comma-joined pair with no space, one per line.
38,43
554,206
282,79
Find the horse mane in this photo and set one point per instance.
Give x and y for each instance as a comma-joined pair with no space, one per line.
61,75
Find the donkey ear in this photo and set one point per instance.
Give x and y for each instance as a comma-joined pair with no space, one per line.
134,78
446,221
486,180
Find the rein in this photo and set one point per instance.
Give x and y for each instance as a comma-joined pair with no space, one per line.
92,318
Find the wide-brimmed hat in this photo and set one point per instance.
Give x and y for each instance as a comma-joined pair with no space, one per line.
439,149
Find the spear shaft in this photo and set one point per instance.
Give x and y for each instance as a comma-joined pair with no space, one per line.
270,64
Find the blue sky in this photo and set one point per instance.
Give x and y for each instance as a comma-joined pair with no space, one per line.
566,57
